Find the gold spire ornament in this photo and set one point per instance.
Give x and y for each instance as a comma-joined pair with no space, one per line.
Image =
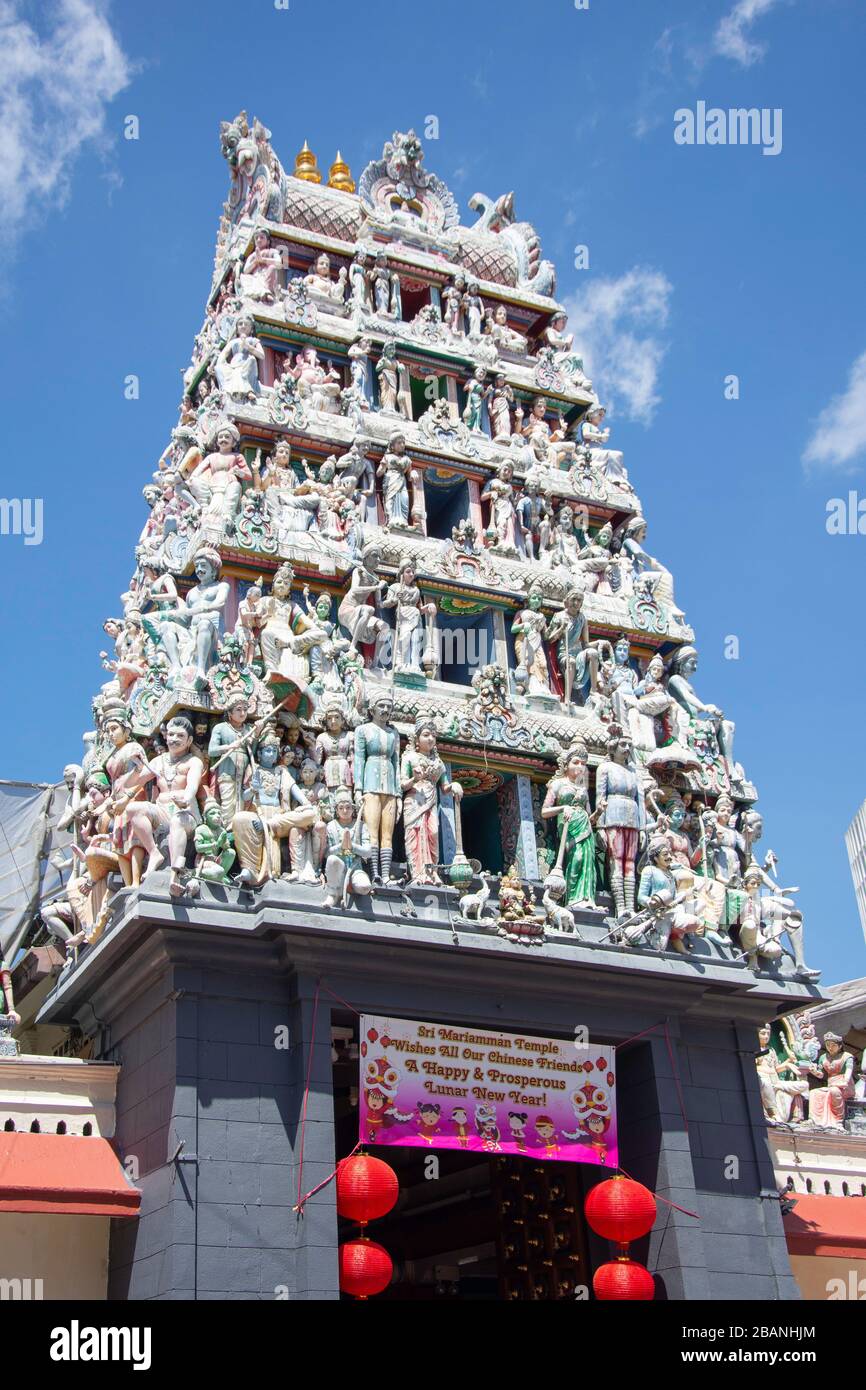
306,166
340,175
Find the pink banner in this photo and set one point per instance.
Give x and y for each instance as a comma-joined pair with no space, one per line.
437,1086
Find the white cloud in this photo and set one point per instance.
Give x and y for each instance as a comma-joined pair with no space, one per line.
617,324
55,84
839,437
732,38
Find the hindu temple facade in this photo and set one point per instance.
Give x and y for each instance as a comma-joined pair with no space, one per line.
401,719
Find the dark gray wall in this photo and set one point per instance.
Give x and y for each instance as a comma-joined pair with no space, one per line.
190,1013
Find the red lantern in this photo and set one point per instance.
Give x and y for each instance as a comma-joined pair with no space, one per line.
623,1279
367,1188
365,1268
620,1209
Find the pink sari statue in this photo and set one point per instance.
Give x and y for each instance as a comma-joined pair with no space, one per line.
827,1103
423,777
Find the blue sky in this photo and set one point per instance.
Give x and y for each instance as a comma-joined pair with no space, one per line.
705,261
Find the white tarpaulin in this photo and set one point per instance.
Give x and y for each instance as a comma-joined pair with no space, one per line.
28,835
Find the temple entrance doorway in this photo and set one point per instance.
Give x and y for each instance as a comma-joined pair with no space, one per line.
468,1226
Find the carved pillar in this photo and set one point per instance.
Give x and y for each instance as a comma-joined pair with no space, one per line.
453,401
528,848
404,391
447,829
475,504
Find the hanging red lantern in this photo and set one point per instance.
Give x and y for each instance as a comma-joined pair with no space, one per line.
623,1279
365,1268
620,1209
367,1188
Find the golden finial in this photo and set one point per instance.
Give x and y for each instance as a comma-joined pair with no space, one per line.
340,175
306,166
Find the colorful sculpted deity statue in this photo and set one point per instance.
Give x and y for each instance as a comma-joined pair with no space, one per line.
395,471
593,438
334,748
357,611
505,338
783,1083
454,304
476,394
561,346
473,306
359,289
566,803
289,631
529,629
384,288
215,855
500,403
292,511
533,518
423,778
835,1068
275,805
319,282
250,621
646,570
683,665
346,864
317,386
411,652
500,493
377,782
230,751
670,905
764,917
205,603
217,480
577,657
388,374
619,802
177,776
260,276
237,366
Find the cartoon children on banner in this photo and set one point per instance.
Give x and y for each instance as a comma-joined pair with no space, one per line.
381,1083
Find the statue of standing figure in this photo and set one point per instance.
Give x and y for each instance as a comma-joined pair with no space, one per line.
529,630
499,492
395,470
578,658
388,374
409,637
357,610
621,818
377,782
205,603
423,779
566,802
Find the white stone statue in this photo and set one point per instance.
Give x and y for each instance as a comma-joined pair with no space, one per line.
237,367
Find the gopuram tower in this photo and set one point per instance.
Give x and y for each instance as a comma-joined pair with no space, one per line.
403,720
